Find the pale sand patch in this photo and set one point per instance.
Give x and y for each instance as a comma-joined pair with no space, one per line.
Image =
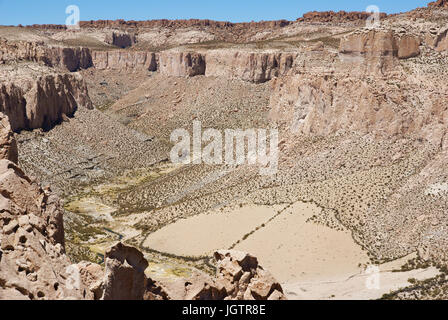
355,287
295,250
203,234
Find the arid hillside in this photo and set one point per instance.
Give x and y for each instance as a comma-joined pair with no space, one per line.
362,181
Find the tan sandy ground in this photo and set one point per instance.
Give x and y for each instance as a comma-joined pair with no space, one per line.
312,261
201,235
296,250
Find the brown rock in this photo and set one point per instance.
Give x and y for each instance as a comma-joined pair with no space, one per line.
121,39
408,47
40,103
124,60
32,261
8,145
125,274
181,64
254,67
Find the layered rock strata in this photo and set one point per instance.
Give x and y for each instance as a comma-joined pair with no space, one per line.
42,102
71,59
124,60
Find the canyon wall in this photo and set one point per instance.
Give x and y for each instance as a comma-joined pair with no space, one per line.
380,43
181,64
124,60
42,102
249,66
316,105
71,59
254,67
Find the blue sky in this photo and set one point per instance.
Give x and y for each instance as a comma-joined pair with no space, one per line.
13,12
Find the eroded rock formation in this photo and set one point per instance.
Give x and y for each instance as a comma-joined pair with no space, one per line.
380,43
42,102
337,17
8,144
72,59
181,64
249,66
121,39
33,264
124,60
238,277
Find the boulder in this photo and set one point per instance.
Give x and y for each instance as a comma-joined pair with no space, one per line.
125,274
243,278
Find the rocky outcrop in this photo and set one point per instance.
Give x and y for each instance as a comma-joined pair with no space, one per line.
8,144
244,279
71,59
369,44
379,43
120,39
438,4
125,277
181,64
322,106
41,103
238,277
255,67
441,40
33,264
337,17
408,47
124,60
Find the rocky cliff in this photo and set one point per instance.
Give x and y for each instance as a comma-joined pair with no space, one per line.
181,64
254,67
71,59
44,101
124,60
380,43
33,264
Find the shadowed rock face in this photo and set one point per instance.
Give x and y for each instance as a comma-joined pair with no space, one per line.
120,39
125,274
41,103
181,64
